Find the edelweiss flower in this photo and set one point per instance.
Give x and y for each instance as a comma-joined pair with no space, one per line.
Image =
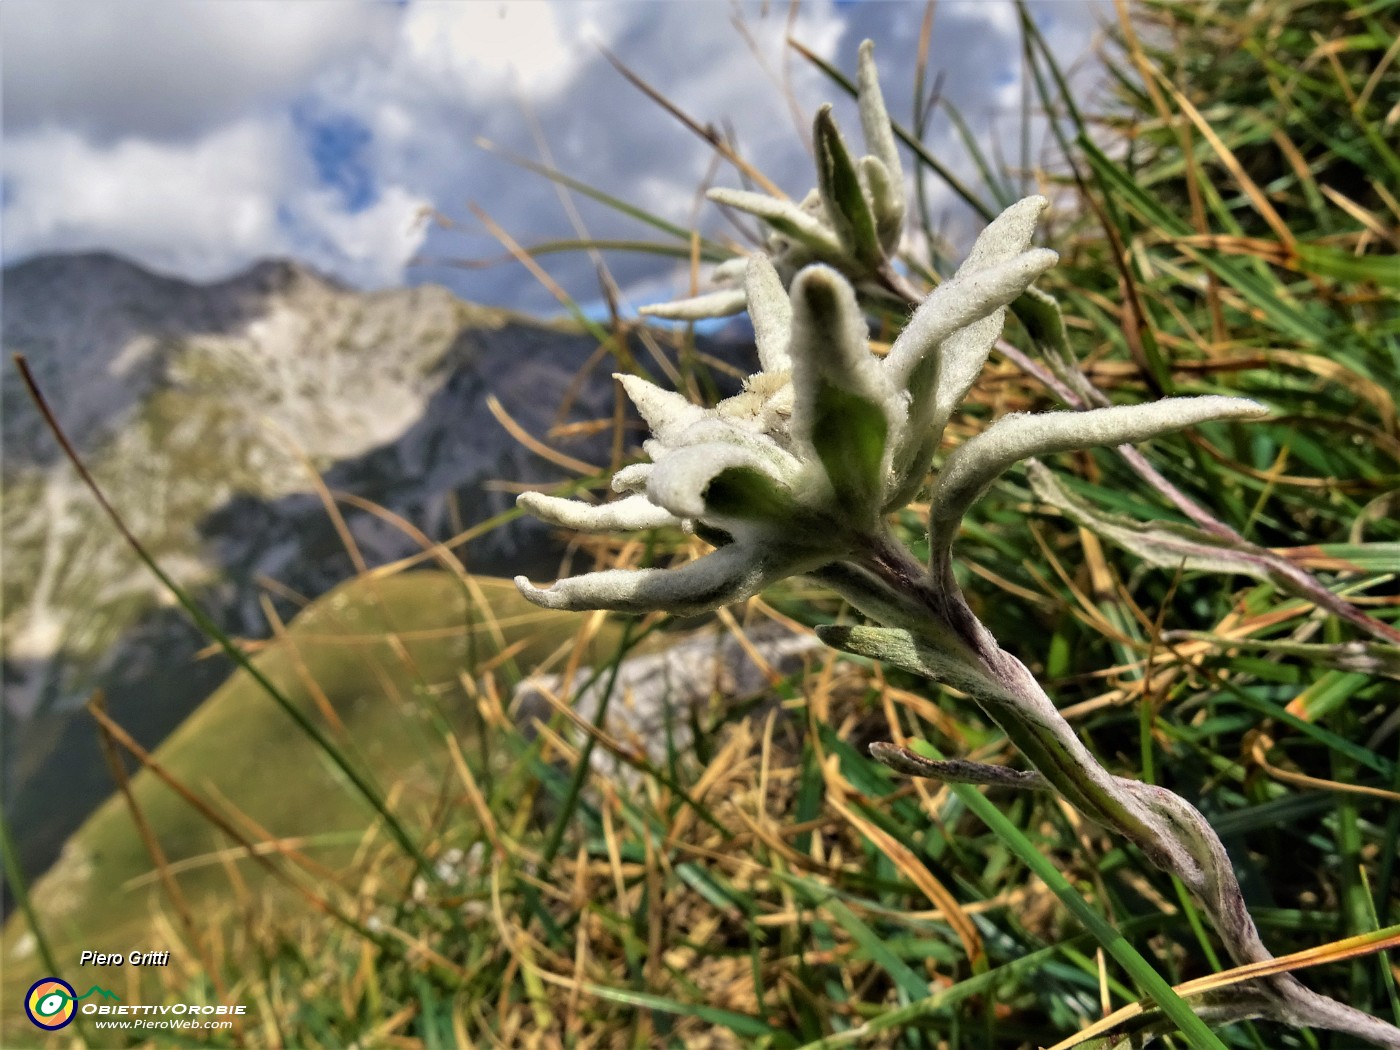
797,472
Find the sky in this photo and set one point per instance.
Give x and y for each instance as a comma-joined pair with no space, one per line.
197,137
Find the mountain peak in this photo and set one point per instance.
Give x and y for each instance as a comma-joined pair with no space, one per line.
109,268
279,275
95,267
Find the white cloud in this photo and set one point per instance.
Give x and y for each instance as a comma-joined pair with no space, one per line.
475,49
193,207
370,247
200,210
605,132
184,134
162,69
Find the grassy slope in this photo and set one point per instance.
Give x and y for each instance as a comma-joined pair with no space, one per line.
238,745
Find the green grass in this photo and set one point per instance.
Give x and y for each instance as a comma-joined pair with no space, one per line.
734,893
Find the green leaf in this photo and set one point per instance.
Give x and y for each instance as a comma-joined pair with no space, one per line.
1374,557
1344,266
747,494
910,983
849,435
739,1024
1282,317
842,402
847,207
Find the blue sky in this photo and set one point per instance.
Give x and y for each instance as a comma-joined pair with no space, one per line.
198,137
339,147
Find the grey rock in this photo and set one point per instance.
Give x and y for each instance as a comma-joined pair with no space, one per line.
657,695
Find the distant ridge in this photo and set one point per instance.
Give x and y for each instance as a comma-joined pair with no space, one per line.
198,407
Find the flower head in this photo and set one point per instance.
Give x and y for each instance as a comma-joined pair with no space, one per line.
797,471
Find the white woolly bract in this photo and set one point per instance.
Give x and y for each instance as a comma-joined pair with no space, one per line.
964,352
666,413
830,343
938,378
967,296
783,215
879,134
679,481
770,310
980,461
728,575
722,427
730,269
624,515
886,202
631,478
1009,234
723,303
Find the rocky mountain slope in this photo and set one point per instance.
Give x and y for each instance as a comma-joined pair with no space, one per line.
203,411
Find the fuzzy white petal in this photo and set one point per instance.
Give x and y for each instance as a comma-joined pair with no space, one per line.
679,481
665,412
965,297
951,371
886,202
844,412
962,349
781,215
770,309
730,270
943,349
624,515
834,346
631,478
875,120
963,353
981,460
1010,233
723,303
720,430
730,574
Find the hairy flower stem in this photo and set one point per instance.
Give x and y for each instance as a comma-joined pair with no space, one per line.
898,285
946,642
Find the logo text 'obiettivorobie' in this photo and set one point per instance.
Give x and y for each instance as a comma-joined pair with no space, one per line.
51,1002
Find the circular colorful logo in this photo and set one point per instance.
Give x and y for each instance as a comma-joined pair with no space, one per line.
50,1003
